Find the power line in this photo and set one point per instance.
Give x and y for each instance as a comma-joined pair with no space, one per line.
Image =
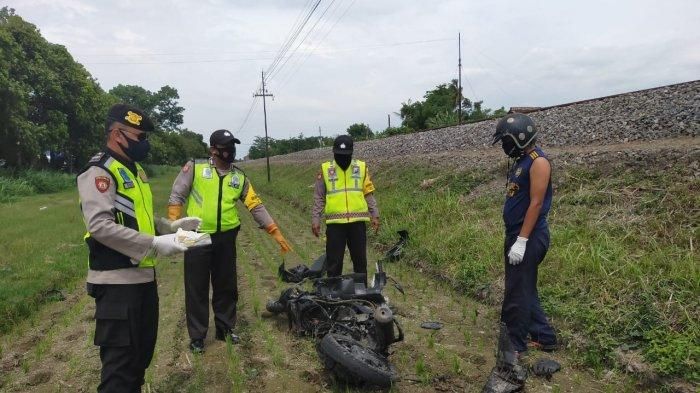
307,53
247,116
308,32
294,31
301,62
285,47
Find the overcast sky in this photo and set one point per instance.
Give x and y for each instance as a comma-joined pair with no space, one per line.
363,58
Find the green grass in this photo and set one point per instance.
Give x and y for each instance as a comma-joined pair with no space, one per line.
43,249
18,184
622,269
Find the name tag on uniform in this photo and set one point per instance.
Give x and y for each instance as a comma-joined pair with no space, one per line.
235,182
128,183
206,173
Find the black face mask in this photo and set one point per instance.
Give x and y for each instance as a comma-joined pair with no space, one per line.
343,160
136,150
510,148
227,154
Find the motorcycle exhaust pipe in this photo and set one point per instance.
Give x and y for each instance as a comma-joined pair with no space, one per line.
384,319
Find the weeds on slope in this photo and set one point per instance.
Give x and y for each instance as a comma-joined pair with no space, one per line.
622,270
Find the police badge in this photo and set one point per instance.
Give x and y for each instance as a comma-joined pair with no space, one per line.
235,182
128,183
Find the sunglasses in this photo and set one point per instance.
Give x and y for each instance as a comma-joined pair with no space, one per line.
141,137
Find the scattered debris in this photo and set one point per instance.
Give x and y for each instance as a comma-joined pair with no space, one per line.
431,325
396,251
545,367
427,183
508,375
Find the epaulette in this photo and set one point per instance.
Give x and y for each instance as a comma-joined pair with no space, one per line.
97,157
533,154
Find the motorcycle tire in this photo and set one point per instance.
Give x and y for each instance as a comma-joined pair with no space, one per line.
354,363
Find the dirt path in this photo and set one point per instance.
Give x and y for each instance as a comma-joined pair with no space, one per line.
53,351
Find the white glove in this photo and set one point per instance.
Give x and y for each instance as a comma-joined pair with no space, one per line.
186,223
167,245
517,251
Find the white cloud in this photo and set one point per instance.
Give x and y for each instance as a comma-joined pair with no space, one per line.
514,53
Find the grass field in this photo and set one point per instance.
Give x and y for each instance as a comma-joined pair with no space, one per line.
622,272
43,253
621,278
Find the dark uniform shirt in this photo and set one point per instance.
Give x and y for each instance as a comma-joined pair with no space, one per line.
518,194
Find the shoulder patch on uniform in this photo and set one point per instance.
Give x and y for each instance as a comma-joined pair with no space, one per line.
102,183
534,155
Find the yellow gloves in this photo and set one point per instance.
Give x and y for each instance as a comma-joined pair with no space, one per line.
276,234
174,212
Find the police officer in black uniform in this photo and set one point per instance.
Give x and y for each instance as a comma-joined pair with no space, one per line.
116,203
528,200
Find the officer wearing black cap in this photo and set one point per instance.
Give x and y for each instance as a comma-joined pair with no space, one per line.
117,207
528,200
210,188
344,198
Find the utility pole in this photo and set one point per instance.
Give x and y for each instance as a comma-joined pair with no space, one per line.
459,86
388,120
320,138
263,93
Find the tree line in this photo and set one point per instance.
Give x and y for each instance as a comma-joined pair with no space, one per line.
440,107
52,111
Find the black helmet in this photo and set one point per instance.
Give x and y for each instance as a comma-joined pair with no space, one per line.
516,127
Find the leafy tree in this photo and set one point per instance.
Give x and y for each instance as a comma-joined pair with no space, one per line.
161,106
360,131
284,146
440,107
49,102
443,119
391,131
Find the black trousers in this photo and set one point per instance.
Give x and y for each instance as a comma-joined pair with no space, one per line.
354,235
521,311
126,326
215,263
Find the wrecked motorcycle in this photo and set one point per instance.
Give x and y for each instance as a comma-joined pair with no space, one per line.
351,322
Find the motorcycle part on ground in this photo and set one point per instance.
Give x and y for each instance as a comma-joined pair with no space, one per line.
545,367
395,252
350,361
432,325
508,375
300,272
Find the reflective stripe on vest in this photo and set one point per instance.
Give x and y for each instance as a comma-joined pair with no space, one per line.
133,208
213,197
345,198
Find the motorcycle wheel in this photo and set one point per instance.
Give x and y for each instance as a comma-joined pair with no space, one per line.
354,363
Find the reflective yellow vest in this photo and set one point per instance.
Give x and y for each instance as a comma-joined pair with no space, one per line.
133,208
345,198
213,197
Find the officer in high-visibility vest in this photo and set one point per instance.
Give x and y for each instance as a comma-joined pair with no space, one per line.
117,207
528,200
211,188
344,198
